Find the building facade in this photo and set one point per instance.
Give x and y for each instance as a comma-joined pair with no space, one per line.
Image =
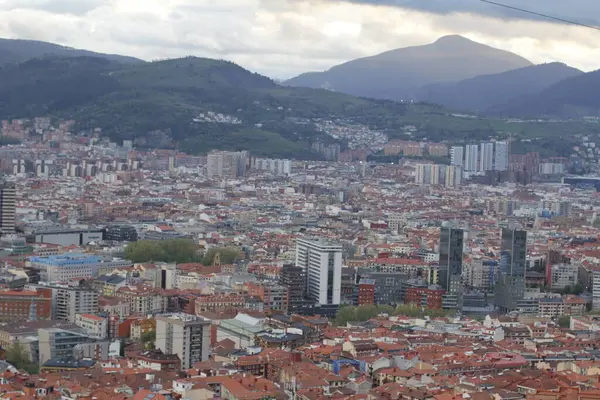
186,335
510,285
450,267
322,262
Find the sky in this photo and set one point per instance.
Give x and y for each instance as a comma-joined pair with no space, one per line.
283,38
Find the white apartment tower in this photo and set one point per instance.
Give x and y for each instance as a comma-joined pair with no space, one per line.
457,155
502,156
186,335
322,262
8,199
486,157
471,157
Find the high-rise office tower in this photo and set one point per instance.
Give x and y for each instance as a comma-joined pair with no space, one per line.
8,199
186,335
510,285
322,262
294,279
451,260
486,157
457,155
471,157
501,156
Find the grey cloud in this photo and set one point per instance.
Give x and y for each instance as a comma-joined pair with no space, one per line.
74,7
576,10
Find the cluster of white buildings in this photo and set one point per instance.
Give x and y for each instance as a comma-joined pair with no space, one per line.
435,174
488,156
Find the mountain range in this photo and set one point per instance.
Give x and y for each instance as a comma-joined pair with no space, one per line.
399,74
161,103
18,51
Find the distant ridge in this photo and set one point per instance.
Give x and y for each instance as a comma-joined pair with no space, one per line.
399,74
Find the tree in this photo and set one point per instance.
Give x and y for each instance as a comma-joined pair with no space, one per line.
564,321
227,255
17,355
148,339
173,250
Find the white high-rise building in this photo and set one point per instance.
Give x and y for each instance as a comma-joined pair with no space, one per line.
471,157
186,335
8,199
457,155
486,157
502,156
227,164
453,176
322,262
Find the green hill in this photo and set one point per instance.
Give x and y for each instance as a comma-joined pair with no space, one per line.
14,51
129,101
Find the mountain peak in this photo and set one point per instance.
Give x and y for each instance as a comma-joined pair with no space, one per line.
453,40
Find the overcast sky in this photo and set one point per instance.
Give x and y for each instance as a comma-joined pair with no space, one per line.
282,38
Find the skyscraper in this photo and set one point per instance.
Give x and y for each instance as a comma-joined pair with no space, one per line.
501,156
451,260
8,198
486,157
457,155
471,157
322,262
510,285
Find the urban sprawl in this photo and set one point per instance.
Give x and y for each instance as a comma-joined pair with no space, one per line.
157,275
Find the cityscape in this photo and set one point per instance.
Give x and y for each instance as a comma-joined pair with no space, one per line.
299,200
278,278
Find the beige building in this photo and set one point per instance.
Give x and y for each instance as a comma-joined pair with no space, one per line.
186,335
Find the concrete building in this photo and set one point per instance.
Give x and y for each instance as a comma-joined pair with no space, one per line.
563,275
510,285
275,166
457,156
471,157
226,164
70,300
96,327
486,157
67,266
24,305
8,198
58,343
322,262
480,275
596,289
186,335
502,155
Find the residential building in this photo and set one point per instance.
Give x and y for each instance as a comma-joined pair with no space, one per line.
471,157
480,274
425,297
107,285
596,289
273,296
389,286
502,156
275,166
16,306
366,292
8,198
486,157
226,164
96,327
563,275
70,300
186,335
457,156
450,266
510,285
322,262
